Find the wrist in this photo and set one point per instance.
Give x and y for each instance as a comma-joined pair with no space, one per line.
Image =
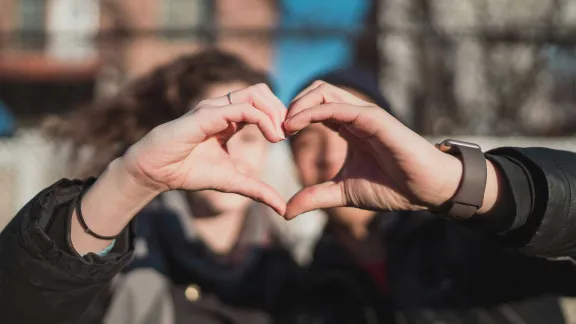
116,195
453,171
132,182
131,167
108,206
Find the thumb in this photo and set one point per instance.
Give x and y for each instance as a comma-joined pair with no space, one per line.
325,195
258,191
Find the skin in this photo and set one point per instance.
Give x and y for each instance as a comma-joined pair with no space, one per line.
319,153
189,153
388,167
218,216
248,149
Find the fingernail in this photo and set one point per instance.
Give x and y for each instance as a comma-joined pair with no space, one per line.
284,127
281,133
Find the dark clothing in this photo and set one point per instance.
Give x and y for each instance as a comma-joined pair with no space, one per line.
254,274
547,229
440,270
437,270
42,281
39,281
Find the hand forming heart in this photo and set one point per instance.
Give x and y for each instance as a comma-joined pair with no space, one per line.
388,167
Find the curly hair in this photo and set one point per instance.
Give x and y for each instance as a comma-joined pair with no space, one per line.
109,126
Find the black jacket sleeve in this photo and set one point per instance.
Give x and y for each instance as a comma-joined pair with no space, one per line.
545,198
43,282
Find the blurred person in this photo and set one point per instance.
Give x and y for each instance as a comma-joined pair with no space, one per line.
215,255
413,267
63,249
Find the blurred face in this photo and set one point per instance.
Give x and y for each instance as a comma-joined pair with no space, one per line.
248,150
319,153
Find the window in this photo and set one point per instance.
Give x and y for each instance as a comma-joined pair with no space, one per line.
181,18
72,25
561,63
32,15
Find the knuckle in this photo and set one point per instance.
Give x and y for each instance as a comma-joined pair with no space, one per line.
200,109
244,106
326,88
374,111
262,87
204,112
202,103
248,111
157,131
317,83
195,110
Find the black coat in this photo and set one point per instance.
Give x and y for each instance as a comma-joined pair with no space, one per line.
42,280
436,271
254,277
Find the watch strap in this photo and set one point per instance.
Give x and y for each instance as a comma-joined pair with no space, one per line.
470,193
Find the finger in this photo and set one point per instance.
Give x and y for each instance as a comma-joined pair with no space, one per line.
247,114
260,96
213,120
324,93
313,86
283,111
309,88
284,114
258,191
324,195
336,114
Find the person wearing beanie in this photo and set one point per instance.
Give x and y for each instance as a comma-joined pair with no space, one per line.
422,268
410,267
359,81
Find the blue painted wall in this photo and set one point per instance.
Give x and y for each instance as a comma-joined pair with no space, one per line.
7,122
297,59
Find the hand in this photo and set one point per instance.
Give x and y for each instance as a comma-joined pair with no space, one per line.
190,152
388,167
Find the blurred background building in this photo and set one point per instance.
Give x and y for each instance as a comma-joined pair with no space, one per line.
500,67
503,71
55,54
58,54
504,68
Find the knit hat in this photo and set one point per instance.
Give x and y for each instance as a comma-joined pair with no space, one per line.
357,78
